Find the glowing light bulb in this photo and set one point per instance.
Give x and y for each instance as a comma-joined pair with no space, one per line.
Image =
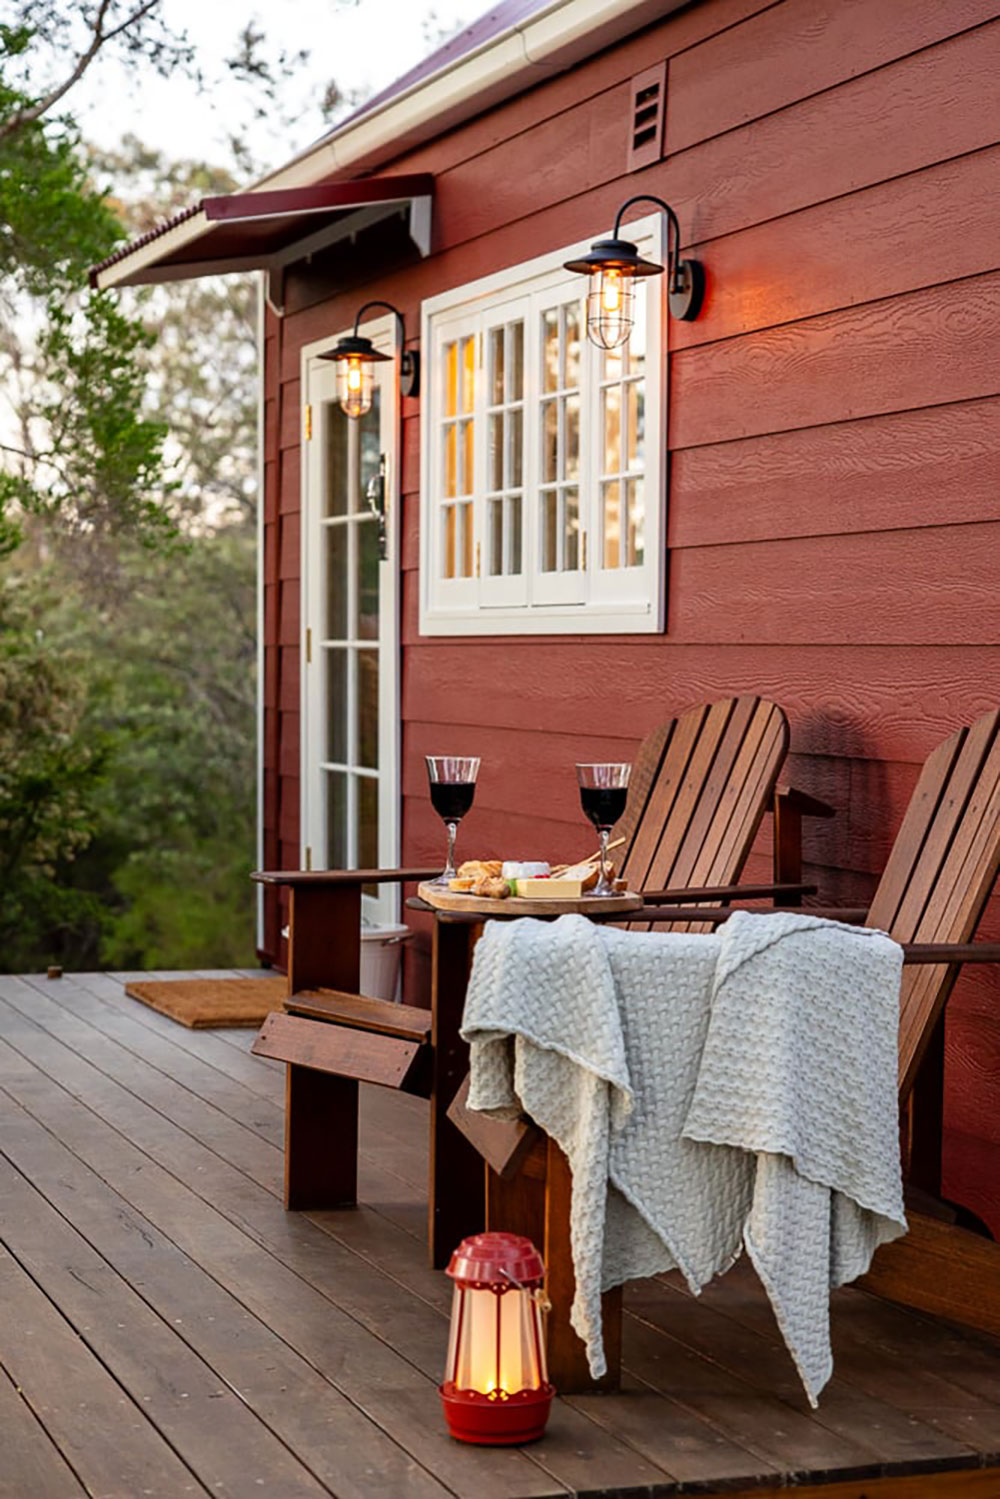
354,375
611,291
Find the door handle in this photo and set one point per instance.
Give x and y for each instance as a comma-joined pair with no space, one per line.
375,495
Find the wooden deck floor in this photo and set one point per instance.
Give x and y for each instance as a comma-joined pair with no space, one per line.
167,1329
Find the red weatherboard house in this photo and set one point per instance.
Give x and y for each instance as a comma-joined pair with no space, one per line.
797,493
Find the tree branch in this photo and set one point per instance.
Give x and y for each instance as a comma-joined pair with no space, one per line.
99,39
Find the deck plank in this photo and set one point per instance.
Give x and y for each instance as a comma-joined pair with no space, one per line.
83,1409
139,1161
32,1463
294,1306
191,1407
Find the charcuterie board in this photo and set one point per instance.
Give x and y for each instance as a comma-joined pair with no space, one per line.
484,905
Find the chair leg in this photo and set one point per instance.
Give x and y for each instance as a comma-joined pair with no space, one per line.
567,1357
925,1111
456,1200
321,1140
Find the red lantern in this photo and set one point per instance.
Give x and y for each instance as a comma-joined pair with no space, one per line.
495,1389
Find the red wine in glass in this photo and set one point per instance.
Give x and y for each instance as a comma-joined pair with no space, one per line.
603,794
453,785
603,804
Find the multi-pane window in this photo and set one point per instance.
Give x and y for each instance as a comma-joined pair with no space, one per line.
543,489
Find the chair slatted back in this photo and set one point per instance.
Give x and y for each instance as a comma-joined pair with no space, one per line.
940,873
700,787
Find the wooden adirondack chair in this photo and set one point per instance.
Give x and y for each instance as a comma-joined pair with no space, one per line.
701,786
931,896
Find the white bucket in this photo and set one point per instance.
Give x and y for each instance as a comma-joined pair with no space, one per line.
381,950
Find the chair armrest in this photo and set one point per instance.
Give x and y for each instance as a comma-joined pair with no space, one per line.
951,952
803,803
335,877
716,915
724,892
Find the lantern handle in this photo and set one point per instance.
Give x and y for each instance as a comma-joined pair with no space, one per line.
672,223
537,1293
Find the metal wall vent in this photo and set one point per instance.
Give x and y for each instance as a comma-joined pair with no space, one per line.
646,117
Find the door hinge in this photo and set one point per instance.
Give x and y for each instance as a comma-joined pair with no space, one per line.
309,647
477,560
583,551
309,857
307,422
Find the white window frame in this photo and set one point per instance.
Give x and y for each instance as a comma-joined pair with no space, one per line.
614,601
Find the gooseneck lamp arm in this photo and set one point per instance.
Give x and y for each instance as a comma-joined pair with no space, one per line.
400,325
674,259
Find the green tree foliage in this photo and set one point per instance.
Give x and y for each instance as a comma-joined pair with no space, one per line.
85,456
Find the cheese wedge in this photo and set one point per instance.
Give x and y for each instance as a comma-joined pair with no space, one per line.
551,889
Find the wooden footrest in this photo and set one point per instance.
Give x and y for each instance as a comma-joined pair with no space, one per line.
363,1013
346,1051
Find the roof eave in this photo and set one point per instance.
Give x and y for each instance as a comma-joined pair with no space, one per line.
565,32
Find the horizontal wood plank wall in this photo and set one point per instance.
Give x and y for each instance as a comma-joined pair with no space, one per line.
834,507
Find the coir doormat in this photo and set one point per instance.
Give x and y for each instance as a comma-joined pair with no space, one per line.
201,1003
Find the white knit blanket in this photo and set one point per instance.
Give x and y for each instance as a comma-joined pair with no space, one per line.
710,1092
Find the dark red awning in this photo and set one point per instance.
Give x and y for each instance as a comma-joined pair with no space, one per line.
266,230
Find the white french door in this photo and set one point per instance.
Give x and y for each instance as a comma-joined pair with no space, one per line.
350,673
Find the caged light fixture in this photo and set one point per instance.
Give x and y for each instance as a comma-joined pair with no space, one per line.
613,264
356,357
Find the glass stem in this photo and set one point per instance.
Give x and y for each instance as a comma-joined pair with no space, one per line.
449,869
605,834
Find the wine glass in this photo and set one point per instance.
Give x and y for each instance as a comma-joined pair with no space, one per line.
453,785
603,793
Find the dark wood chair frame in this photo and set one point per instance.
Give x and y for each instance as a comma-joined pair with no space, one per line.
931,896
721,781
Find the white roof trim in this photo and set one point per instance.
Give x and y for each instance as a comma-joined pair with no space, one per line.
562,33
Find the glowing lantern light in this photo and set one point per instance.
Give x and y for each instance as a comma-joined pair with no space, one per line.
495,1389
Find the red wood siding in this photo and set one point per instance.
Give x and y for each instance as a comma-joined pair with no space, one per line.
834,506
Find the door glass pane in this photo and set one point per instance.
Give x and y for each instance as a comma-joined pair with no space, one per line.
612,422
550,543
336,705
366,626
450,461
572,314
371,447
336,818
496,538
516,361
335,540
368,709
550,349
550,441
571,551
367,823
572,457
636,423
495,480
636,522
514,523
450,379
514,427
612,523
468,458
450,553
336,460
496,366
468,373
467,541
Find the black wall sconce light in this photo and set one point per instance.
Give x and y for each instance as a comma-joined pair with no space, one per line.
613,265
356,358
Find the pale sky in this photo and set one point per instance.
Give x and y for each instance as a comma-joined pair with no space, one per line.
362,45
